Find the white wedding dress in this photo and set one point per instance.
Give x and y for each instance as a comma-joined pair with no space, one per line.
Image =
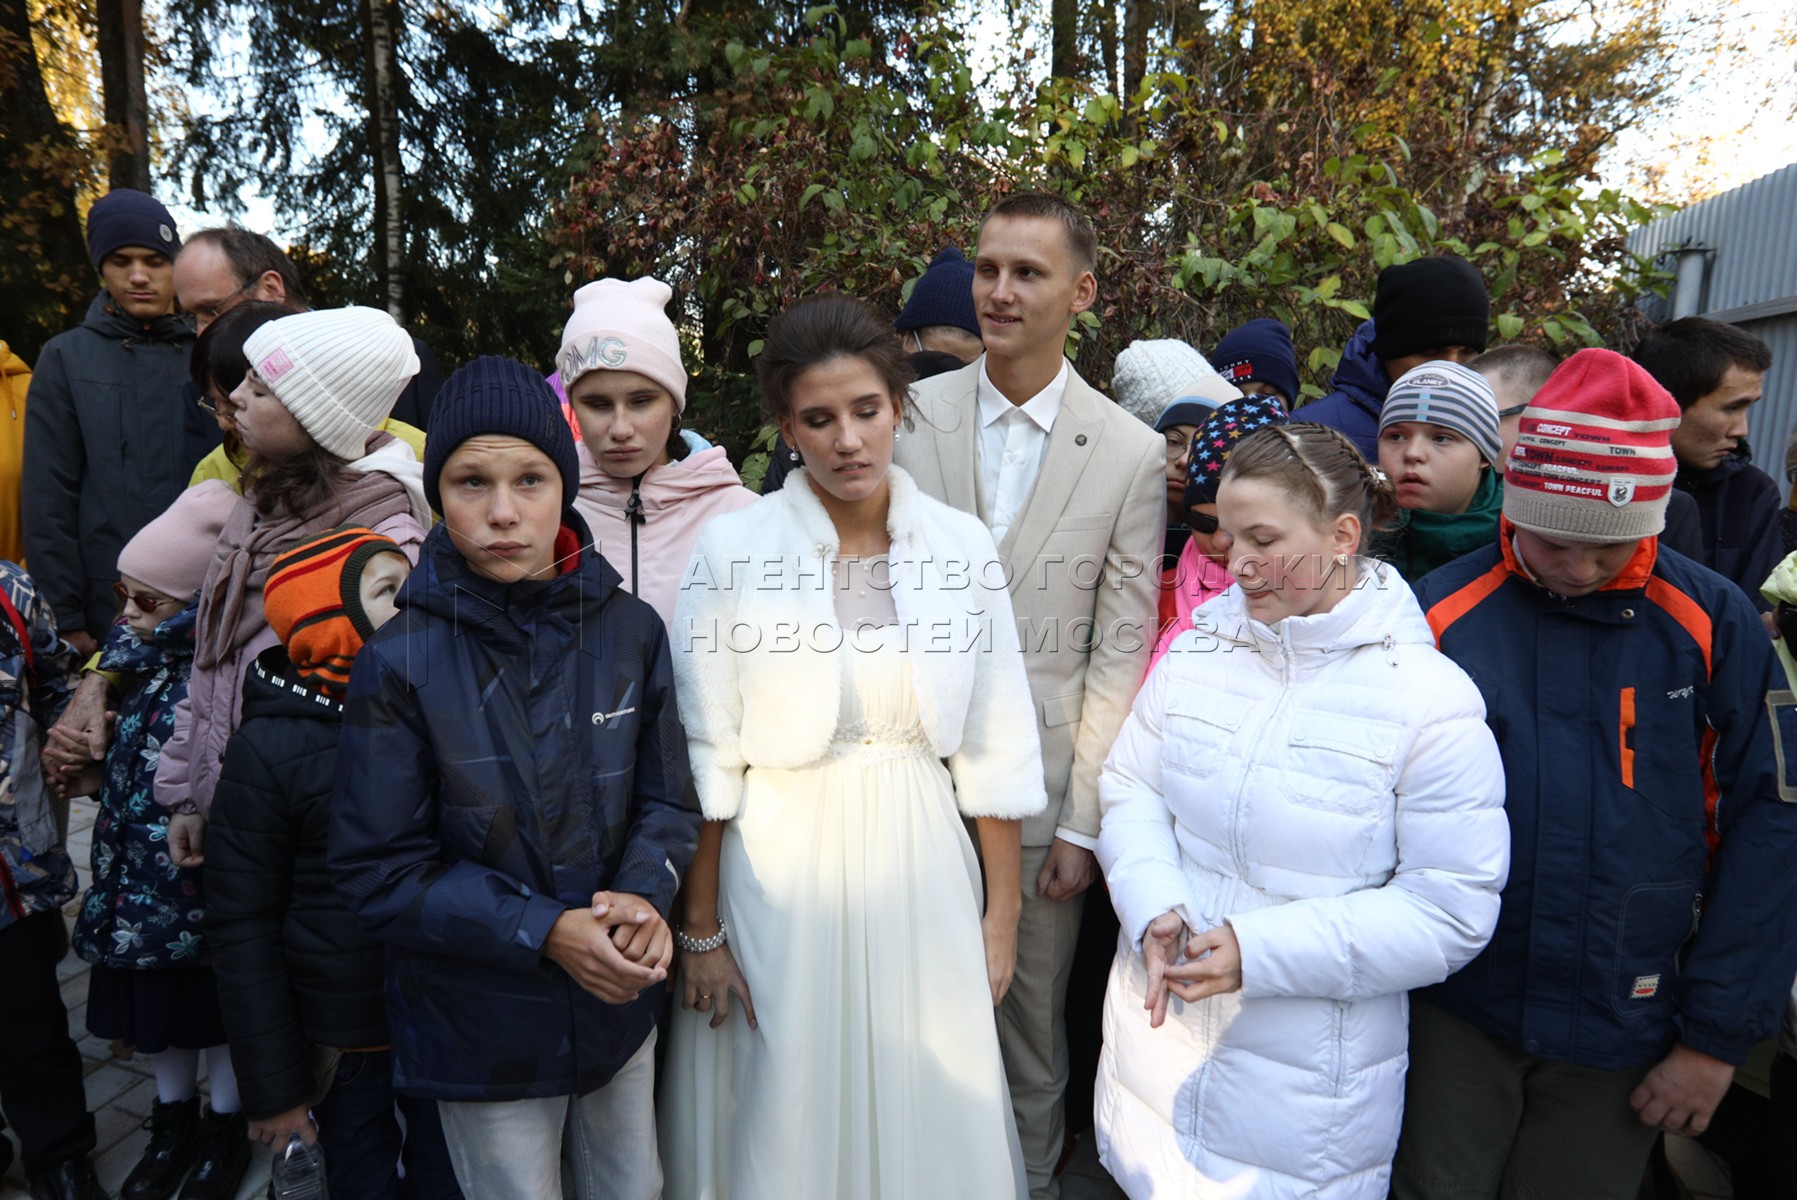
852,897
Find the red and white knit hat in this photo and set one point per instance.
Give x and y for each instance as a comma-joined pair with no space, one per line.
1593,459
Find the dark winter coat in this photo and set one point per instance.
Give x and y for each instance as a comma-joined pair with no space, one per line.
508,750
1359,396
141,911
1738,505
293,965
36,873
1642,796
106,451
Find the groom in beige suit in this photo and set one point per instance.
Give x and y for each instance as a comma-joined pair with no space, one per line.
1071,487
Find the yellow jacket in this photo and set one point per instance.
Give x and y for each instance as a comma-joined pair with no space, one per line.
15,381
219,465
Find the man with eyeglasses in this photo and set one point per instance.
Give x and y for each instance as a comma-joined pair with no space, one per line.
220,268
104,445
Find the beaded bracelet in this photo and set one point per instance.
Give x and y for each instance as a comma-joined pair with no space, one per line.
702,945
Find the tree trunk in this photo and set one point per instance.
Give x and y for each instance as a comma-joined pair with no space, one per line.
1496,73
1136,19
380,30
44,272
121,39
1064,39
1104,17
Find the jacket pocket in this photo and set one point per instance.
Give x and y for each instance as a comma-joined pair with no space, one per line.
1199,733
1064,709
1339,764
1657,919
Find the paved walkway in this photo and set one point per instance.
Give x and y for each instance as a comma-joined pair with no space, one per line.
120,1092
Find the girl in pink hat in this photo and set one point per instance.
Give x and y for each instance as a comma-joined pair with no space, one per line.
643,492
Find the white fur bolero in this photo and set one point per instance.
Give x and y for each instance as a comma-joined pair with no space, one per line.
758,665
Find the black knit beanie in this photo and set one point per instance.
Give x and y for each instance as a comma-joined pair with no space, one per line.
126,217
496,395
1430,304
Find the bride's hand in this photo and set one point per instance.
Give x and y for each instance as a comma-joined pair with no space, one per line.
999,931
1165,938
708,979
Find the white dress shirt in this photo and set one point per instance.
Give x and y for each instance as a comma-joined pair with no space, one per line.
1013,442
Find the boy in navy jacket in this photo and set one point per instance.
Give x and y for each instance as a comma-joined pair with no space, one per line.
1649,929
514,810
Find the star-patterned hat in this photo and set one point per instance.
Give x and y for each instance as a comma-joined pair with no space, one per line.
1217,437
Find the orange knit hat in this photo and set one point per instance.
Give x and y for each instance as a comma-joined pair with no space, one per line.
313,601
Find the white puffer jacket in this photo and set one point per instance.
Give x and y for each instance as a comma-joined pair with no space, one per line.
1328,787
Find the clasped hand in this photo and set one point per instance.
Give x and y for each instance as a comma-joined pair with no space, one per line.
1211,964
614,949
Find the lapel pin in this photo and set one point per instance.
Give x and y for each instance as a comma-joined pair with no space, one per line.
1079,439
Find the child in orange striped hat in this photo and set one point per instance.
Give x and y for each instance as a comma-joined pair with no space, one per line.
326,595
267,886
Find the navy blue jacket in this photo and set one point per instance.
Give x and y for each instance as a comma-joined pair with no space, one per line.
1642,798
507,751
1359,396
1739,506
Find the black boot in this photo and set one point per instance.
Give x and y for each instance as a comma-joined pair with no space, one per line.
72,1180
224,1155
174,1138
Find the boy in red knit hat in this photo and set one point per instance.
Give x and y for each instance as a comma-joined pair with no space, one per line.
1626,685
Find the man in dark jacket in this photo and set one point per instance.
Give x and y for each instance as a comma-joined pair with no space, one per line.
1626,685
514,810
1715,372
218,269
104,428
1433,308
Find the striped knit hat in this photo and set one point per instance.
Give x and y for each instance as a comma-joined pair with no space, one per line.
338,371
313,601
1448,394
1593,460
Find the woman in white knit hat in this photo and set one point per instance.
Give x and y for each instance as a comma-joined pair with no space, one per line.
644,493
309,410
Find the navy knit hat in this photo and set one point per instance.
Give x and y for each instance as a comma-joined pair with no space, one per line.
498,396
127,217
1259,352
1430,304
943,295
1217,437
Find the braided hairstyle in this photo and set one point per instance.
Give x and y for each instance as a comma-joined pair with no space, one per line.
1320,470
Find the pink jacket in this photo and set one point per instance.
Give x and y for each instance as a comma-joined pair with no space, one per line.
1195,580
678,499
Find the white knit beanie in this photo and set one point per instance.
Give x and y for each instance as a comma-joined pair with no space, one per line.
1150,375
621,325
338,371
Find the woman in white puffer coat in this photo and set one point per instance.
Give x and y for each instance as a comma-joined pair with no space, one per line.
1302,820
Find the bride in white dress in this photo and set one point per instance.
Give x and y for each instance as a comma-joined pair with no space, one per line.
852,689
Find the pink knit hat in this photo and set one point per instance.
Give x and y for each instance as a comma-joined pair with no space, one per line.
172,553
1593,461
621,325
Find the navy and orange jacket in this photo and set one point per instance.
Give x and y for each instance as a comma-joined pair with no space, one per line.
1652,895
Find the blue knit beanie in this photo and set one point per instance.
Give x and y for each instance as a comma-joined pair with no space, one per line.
943,295
127,217
1259,351
494,395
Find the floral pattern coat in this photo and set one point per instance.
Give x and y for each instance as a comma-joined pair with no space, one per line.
142,912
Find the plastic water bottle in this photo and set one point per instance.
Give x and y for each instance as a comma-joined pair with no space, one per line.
298,1172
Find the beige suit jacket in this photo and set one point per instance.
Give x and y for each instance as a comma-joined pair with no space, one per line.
1082,560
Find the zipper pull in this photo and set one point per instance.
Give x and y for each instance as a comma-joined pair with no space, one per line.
633,508
1391,649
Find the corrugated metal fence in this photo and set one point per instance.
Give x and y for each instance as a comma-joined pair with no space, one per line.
1736,256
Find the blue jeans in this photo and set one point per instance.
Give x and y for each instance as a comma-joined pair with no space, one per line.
363,1142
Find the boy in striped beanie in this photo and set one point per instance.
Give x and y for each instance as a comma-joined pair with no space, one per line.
326,595
1440,447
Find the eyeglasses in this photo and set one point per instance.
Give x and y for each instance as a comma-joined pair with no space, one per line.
1201,522
205,314
1514,411
1176,447
147,602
